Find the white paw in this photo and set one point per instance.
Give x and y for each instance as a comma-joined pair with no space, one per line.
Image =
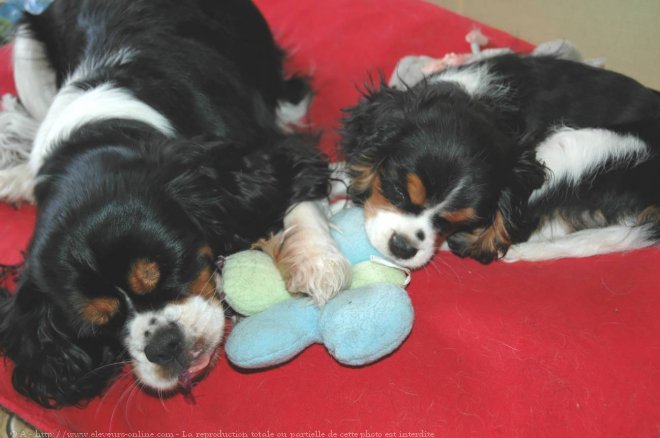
321,272
17,184
308,257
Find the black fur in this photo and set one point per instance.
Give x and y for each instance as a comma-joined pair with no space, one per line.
117,190
443,134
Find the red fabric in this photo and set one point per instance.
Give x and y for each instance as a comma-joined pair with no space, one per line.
562,349
6,84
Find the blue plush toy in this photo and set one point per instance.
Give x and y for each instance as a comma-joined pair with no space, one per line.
357,327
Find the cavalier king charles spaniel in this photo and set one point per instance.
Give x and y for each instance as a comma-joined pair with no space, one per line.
152,142
522,157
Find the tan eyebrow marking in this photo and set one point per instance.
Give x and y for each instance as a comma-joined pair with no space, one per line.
377,201
462,215
206,251
144,276
99,311
416,189
204,284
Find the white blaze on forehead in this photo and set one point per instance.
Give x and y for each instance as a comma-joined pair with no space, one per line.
385,222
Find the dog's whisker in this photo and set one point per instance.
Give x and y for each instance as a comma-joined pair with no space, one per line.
162,401
132,239
123,394
211,277
118,379
138,386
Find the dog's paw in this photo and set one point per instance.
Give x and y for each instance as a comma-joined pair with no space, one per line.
461,243
17,184
478,244
306,254
310,262
321,273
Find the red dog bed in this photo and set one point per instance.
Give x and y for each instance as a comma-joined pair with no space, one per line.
565,348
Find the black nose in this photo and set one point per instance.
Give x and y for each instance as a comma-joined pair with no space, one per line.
401,248
165,345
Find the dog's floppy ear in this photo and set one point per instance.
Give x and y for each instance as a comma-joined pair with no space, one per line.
51,366
197,179
368,130
526,176
226,202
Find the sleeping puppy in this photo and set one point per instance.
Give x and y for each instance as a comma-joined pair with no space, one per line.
156,149
554,157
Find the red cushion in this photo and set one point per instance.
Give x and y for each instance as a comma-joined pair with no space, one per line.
565,348
6,83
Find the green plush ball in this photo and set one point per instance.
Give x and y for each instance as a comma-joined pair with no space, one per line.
366,273
252,283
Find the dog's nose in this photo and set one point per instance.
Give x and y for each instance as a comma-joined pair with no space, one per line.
165,345
401,248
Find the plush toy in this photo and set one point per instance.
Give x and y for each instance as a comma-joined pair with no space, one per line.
412,69
359,326
12,10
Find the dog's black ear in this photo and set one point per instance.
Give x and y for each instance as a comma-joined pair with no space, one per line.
237,191
369,131
526,175
51,366
372,122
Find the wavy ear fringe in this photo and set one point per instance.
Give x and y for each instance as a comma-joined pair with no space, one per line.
51,367
232,206
526,176
368,129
